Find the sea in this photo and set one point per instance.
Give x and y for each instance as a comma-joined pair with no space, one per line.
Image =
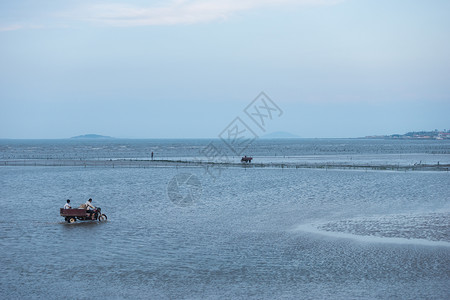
209,230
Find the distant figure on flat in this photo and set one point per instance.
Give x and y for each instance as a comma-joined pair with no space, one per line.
246,159
152,155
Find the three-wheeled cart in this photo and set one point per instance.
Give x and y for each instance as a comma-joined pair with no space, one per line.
71,215
246,159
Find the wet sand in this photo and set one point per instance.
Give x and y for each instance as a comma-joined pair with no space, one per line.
136,163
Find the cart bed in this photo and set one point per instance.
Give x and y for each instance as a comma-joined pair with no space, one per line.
73,212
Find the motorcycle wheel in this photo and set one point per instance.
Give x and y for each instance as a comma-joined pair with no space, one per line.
102,218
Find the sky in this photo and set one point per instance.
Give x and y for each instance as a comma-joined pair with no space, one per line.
188,68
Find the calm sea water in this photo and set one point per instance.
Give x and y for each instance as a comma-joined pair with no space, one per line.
252,234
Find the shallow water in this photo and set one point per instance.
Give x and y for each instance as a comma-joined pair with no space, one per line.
241,239
416,151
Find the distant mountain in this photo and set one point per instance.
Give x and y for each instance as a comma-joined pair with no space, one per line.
280,135
92,136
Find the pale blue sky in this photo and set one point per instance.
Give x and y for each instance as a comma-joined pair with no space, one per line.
187,68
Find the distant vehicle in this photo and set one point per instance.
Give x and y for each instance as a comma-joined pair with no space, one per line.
246,159
71,215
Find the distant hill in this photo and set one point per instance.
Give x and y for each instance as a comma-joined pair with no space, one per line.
416,135
280,135
92,136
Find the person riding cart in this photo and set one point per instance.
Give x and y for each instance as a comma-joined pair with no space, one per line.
67,205
90,208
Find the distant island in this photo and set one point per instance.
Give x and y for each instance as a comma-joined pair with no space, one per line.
416,135
91,136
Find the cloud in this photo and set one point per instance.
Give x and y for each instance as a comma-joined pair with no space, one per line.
181,11
10,27
20,26
172,12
